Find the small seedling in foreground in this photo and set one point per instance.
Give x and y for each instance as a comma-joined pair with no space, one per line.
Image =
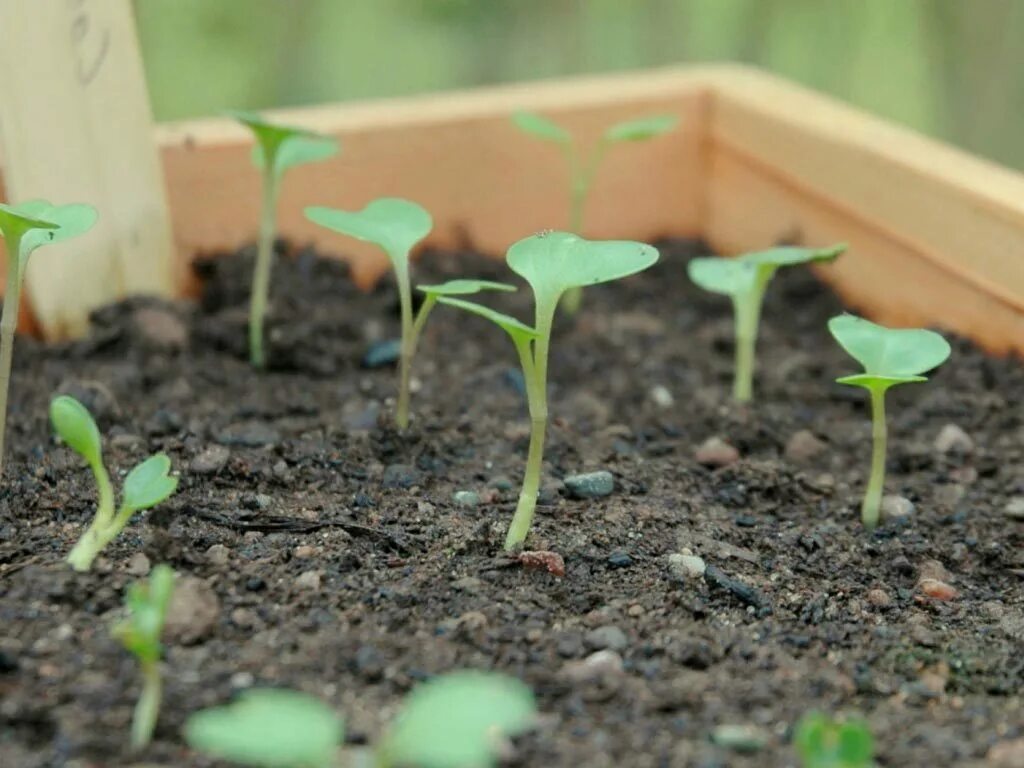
26,227
140,633
745,279
552,263
452,721
278,148
889,357
396,226
583,169
825,743
146,485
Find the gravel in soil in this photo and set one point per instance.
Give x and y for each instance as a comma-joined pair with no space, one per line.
724,581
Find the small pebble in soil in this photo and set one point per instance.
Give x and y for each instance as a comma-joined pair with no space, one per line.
932,569
608,637
160,328
552,562
217,554
466,498
249,434
400,476
936,589
502,483
952,439
382,353
804,447
896,507
1014,508
138,564
716,452
550,492
597,666
192,611
309,580
620,559
661,397
879,598
686,566
210,460
746,739
590,485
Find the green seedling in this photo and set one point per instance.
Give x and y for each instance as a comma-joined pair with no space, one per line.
889,357
395,226
552,263
583,167
148,484
823,742
745,279
278,148
25,228
452,721
140,633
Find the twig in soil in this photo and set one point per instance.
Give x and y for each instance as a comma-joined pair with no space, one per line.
744,592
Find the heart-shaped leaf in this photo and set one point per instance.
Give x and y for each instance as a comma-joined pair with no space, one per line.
147,603
731,277
554,262
76,427
18,221
641,129
268,727
541,127
520,332
462,287
889,356
72,220
458,720
394,224
148,484
287,145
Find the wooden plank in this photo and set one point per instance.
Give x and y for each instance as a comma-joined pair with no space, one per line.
76,127
457,154
938,235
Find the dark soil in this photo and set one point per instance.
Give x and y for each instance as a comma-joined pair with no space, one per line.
322,550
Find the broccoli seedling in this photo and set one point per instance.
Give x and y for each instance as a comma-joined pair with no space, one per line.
745,279
140,634
825,743
278,148
583,167
395,226
25,228
889,357
552,263
146,485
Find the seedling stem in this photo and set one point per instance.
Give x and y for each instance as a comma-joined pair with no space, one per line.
264,260
748,317
879,436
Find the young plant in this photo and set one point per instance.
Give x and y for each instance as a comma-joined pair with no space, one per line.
825,743
146,485
396,226
278,148
448,722
583,167
745,279
552,263
890,357
25,228
140,633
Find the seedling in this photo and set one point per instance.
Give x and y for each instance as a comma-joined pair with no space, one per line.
146,485
552,263
745,279
889,357
452,721
26,227
396,226
140,633
823,742
278,148
583,167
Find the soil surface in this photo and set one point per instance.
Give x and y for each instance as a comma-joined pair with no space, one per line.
318,548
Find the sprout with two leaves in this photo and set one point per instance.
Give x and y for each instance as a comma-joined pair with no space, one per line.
148,484
456,720
823,742
583,169
552,263
745,279
140,632
396,226
278,148
890,357
25,228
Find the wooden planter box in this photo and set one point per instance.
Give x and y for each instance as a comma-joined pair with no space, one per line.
936,236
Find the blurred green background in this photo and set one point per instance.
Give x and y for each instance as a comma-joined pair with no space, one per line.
950,68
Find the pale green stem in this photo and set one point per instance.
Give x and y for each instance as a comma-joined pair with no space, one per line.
147,709
264,262
104,527
747,309
876,483
8,327
408,348
582,181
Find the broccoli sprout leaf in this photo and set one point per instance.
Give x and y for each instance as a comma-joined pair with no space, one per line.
148,483
394,224
541,127
457,721
147,608
554,262
731,277
24,218
641,129
268,727
72,220
897,355
822,743
788,256
76,427
287,145
464,287
519,331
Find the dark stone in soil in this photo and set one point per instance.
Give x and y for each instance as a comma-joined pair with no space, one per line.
383,353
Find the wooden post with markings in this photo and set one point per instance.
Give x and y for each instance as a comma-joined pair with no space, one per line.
75,126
